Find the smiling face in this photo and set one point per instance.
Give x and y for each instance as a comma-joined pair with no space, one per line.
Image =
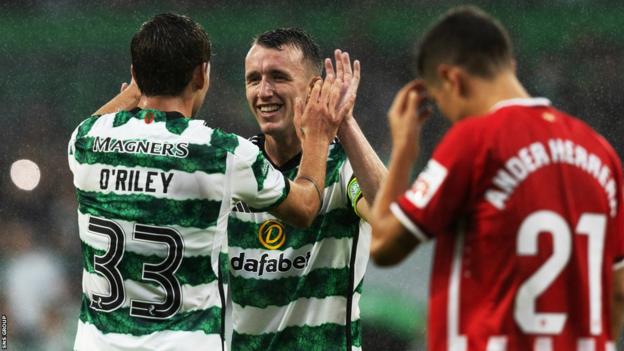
273,80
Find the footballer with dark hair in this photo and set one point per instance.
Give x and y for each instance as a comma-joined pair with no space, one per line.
524,201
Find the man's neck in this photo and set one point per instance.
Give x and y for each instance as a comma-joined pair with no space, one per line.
167,103
488,93
281,149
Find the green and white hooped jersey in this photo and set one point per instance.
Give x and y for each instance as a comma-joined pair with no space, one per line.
154,193
299,289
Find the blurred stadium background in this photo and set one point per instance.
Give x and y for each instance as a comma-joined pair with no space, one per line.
61,60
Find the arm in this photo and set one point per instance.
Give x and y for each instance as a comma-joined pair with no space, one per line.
391,242
367,167
127,99
316,126
617,306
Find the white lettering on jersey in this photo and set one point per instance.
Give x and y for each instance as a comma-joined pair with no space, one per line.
586,344
543,343
535,156
427,183
180,150
497,343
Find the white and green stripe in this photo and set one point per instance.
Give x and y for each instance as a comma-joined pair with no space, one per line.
301,309
218,170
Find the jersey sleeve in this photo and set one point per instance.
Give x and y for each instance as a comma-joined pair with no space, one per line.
71,151
254,180
433,204
80,131
618,230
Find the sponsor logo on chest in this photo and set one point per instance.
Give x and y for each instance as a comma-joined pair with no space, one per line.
272,236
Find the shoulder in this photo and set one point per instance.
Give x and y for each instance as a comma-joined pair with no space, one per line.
583,130
88,124
239,147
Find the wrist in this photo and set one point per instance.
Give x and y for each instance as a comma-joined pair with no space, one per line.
316,137
132,93
315,143
348,125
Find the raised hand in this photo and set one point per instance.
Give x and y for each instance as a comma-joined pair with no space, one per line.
406,116
346,76
324,111
350,77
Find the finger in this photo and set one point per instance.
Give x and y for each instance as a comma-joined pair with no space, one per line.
339,65
329,68
328,82
355,79
400,100
299,107
315,92
335,97
124,86
411,104
346,63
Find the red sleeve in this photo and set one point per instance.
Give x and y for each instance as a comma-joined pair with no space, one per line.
434,203
618,230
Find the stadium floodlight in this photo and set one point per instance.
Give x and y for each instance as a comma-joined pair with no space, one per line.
25,174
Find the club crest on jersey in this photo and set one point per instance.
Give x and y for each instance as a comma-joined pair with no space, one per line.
427,183
271,234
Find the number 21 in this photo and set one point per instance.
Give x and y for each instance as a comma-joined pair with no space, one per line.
590,224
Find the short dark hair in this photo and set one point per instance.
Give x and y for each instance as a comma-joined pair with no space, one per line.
295,37
165,51
468,37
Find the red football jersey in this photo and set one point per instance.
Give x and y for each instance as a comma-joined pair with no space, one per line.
526,207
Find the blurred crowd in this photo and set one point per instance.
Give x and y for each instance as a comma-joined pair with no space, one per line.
45,94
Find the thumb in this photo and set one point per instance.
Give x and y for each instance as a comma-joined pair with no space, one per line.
298,110
124,86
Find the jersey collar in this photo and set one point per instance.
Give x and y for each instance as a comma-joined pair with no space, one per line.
169,115
528,102
290,164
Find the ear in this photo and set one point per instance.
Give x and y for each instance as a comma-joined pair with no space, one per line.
201,76
455,78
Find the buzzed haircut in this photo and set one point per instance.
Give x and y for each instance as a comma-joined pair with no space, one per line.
294,37
165,52
468,37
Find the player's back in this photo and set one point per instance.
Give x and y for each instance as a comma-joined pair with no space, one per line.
529,265
153,196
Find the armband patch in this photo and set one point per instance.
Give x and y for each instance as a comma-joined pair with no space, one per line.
355,194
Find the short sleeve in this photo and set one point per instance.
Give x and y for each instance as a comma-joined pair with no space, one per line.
254,180
618,230
433,204
80,131
71,151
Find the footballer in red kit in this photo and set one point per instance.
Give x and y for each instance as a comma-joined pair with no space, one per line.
525,204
